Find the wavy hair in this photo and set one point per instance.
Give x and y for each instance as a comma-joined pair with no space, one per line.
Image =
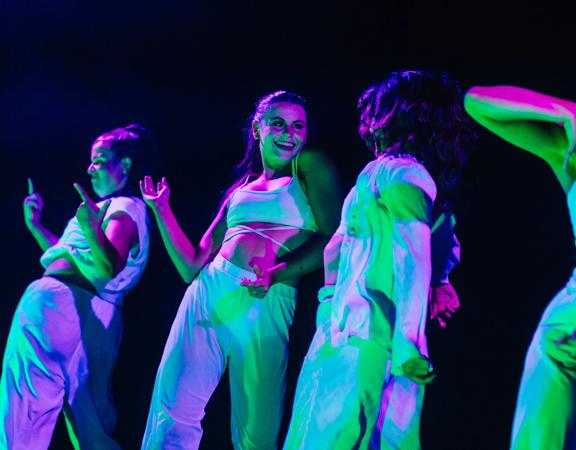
420,113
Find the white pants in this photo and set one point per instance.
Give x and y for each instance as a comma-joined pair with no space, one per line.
219,323
545,413
347,399
60,353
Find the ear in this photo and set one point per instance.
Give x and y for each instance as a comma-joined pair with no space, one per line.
126,164
255,131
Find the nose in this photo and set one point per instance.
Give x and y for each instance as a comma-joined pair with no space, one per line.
91,169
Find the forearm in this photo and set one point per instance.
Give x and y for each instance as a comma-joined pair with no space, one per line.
107,260
332,259
187,259
44,237
303,260
508,103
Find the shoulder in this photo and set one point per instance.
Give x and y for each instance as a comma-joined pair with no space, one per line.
315,167
133,207
405,171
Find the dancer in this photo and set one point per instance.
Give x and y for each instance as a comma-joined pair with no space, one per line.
269,231
362,382
544,126
66,330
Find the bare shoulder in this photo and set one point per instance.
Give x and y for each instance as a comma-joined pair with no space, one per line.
313,162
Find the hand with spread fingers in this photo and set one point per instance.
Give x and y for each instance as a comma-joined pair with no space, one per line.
444,303
261,285
90,216
33,206
156,196
418,370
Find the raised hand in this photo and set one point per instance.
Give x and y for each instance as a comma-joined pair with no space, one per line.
418,370
33,206
90,216
444,303
156,197
261,285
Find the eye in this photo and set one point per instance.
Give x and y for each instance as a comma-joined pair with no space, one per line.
299,126
278,123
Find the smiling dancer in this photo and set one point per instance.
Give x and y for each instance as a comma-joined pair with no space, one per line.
66,330
544,126
270,230
362,382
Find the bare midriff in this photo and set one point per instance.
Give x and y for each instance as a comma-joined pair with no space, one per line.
247,249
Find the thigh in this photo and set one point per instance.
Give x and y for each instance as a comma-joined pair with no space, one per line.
258,363
338,394
545,405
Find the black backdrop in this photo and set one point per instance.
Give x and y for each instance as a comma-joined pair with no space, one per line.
191,71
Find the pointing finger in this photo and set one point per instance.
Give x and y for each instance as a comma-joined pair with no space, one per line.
83,194
30,186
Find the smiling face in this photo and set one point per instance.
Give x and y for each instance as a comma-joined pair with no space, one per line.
281,132
108,173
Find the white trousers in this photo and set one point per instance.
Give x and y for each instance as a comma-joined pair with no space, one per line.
545,413
60,353
219,323
346,397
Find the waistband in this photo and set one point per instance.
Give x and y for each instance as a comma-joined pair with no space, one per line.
70,282
234,271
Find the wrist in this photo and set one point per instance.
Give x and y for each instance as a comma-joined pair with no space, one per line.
276,273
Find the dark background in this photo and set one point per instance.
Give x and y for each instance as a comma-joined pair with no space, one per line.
191,71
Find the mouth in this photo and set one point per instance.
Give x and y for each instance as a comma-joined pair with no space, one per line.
285,145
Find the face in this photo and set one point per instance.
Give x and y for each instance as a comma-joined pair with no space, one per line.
282,134
108,173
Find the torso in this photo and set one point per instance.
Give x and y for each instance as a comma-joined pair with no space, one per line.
247,249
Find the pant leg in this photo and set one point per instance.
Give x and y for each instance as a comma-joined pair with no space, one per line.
544,417
398,425
190,369
338,393
89,408
258,362
45,336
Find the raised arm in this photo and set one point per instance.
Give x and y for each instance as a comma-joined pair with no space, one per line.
33,206
409,197
539,123
187,259
324,190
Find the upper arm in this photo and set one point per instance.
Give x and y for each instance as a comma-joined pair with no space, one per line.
537,130
214,236
122,232
324,189
408,197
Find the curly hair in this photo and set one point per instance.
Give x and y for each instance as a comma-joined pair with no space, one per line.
420,113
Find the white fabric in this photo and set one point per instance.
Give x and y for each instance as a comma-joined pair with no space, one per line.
60,353
74,244
545,408
385,264
219,323
351,391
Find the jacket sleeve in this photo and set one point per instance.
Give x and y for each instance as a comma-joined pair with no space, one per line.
408,195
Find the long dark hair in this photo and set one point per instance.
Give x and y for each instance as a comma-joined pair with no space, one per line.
137,143
251,163
422,111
